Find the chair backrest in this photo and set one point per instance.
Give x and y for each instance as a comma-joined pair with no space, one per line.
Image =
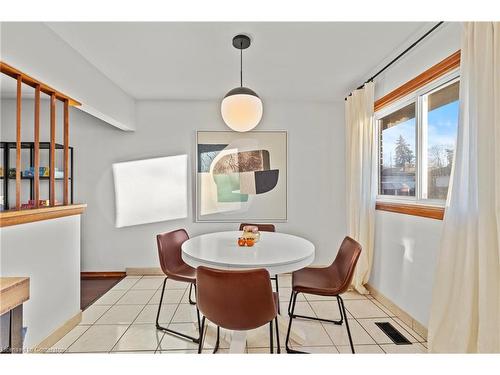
345,262
262,227
169,250
237,300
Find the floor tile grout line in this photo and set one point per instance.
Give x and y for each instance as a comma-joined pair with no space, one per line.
121,336
86,325
102,325
136,281
126,291
100,316
146,304
368,333
80,335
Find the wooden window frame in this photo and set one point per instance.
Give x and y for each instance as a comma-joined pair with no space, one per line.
435,72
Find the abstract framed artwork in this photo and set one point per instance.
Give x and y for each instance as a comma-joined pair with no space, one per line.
241,176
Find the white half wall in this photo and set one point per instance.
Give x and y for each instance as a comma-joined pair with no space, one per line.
316,169
48,252
35,49
406,247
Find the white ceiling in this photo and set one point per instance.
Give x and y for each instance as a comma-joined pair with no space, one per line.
289,61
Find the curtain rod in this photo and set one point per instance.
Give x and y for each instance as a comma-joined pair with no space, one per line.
398,57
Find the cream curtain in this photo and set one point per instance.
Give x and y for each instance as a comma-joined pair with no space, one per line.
361,178
465,312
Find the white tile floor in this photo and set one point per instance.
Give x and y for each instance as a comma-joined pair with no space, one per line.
123,320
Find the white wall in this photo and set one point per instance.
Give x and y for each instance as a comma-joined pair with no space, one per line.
316,204
48,252
406,246
35,49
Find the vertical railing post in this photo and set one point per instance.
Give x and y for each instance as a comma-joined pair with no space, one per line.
18,142
52,153
66,151
36,166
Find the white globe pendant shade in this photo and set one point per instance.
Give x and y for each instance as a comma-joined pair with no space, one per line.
241,109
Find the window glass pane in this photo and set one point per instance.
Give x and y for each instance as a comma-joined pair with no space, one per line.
397,152
442,121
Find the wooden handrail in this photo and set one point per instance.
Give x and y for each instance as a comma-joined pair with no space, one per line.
30,81
16,217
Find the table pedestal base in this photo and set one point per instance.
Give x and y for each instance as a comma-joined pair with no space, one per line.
239,338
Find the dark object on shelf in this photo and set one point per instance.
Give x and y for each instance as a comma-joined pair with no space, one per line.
8,146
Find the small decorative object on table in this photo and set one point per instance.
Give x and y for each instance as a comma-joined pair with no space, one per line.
250,236
251,232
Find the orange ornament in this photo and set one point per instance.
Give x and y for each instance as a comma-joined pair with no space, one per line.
250,241
241,241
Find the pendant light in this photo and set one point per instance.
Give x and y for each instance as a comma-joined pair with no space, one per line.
241,108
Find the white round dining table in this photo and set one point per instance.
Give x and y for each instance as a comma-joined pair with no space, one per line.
276,252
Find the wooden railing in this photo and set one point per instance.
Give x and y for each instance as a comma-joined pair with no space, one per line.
55,95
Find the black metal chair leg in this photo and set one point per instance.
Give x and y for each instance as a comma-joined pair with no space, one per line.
202,328
168,330
290,302
217,341
271,334
277,335
339,322
288,349
346,323
191,302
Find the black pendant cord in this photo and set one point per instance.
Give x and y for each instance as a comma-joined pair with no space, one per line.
241,65
398,57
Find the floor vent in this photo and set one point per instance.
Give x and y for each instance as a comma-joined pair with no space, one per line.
396,336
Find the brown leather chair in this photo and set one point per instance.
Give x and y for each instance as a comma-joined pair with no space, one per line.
169,251
266,228
236,300
328,281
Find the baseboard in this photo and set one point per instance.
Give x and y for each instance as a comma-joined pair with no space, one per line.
399,312
144,271
102,275
58,333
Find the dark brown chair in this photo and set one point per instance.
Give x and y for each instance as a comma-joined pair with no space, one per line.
169,251
328,281
266,228
236,300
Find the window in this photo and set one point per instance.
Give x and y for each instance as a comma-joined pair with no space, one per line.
416,143
441,115
397,152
